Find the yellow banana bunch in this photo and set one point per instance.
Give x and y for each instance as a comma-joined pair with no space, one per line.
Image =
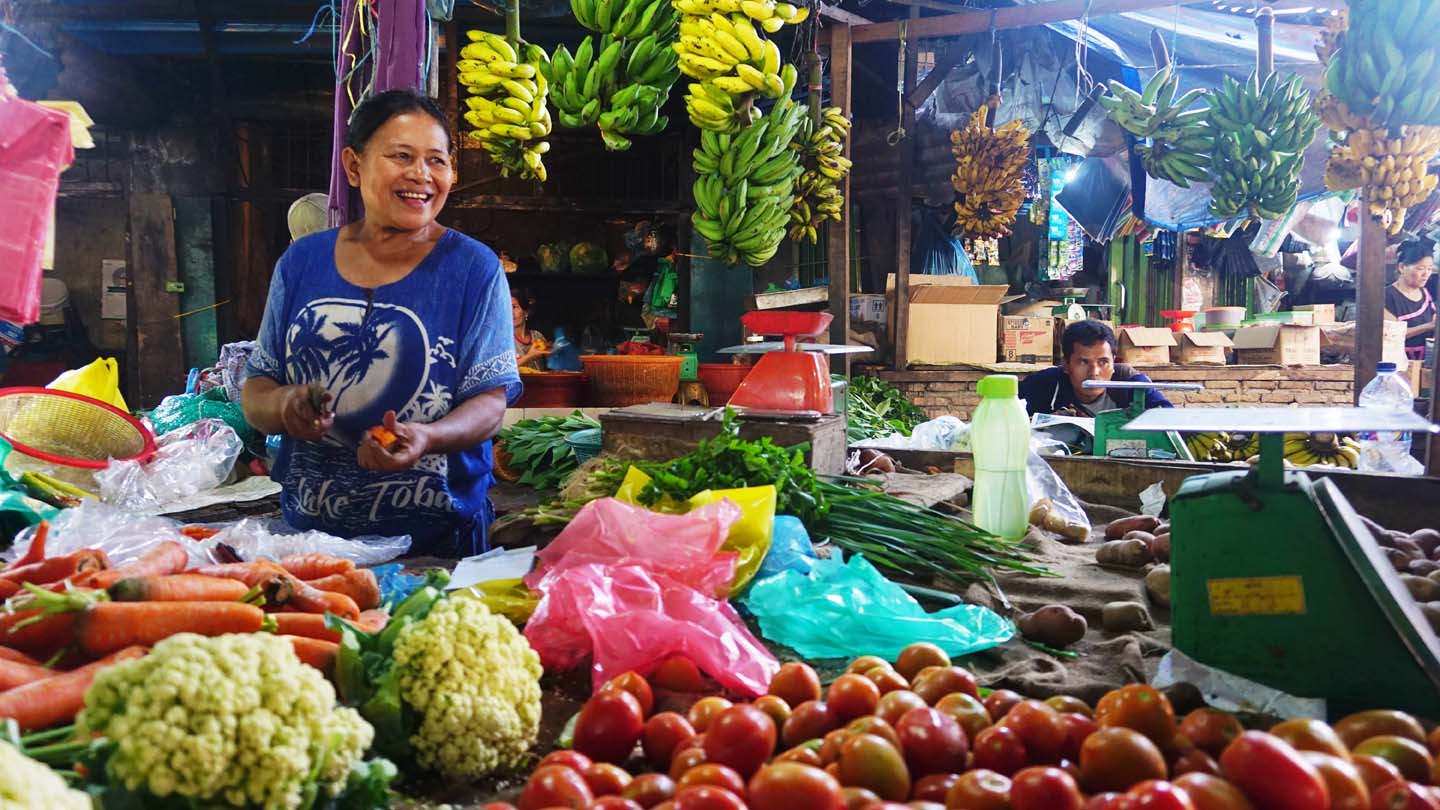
506,103
1394,168
989,175
731,62
817,191
1213,447
1322,450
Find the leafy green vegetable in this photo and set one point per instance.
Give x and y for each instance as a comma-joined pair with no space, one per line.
878,408
537,448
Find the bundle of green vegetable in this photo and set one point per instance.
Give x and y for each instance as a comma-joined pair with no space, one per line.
536,448
877,408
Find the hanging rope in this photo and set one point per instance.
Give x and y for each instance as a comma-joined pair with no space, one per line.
898,134
1083,81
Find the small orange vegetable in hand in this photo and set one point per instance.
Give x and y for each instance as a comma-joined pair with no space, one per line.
384,436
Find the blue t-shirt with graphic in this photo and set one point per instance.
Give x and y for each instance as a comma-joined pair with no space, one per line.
420,346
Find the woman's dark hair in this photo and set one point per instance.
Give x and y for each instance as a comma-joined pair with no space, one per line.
1086,333
524,298
375,111
1412,251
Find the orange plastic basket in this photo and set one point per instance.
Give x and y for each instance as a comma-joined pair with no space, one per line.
68,435
619,380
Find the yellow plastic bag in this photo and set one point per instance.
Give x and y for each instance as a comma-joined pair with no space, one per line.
98,380
508,597
749,537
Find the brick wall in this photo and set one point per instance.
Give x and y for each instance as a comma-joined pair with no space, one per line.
953,391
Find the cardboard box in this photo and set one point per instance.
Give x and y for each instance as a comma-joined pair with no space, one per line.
1278,345
1027,338
1392,342
1320,314
868,308
1060,324
952,321
1146,346
1200,348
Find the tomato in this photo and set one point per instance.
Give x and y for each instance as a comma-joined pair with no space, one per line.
697,741
803,755
918,805
712,774
1041,729
932,788
810,720
1212,792
678,674
497,806
707,797
1358,728
609,726
705,710
1272,774
979,789
1403,796
1000,702
887,680
1311,735
665,805
555,786
870,762
968,711
1139,707
795,683
1065,704
938,683
637,686
789,786
865,663
832,743
1158,795
857,798
872,725
1211,729
1347,788
742,737
649,789
1045,789
1375,771
573,760
1000,749
685,760
662,735
777,709
615,803
605,779
932,742
1118,759
1195,761
919,655
1433,741
1077,728
894,705
852,696
1412,758
1105,801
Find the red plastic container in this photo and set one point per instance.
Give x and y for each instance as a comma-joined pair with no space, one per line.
552,389
721,380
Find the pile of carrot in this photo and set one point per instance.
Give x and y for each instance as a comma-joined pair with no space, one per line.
78,613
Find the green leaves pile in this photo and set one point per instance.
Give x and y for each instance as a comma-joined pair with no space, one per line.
878,408
537,447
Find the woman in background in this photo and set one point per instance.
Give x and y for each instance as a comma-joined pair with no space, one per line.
1408,300
530,345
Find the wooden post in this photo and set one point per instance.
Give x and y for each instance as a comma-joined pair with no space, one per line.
1265,46
1432,449
156,361
837,234
1369,296
904,202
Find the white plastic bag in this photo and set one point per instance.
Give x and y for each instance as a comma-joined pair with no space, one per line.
272,539
943,433
195,458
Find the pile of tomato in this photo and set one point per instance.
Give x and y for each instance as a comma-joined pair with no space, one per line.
917,734
639,348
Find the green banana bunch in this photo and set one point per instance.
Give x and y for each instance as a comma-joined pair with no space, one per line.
1386,67
817,191
731,62
1180,140
1261,133
745,185
506,103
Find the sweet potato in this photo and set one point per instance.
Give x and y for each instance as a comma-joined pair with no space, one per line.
1427,539
1128,553
1125,617
1139,523
1421,589
1160,547
1052,625
1157,585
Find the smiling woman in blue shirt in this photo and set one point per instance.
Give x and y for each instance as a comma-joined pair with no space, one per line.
1088,349
393,320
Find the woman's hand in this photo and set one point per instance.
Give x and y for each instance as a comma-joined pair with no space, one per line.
532,354
412,440
299,417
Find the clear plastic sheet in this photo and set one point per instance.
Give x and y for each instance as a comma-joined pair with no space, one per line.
194,458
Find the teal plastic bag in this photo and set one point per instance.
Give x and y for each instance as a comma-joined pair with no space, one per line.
847,609
18,511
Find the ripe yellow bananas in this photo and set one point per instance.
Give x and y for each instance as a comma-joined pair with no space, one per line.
730,60
817,191
506,105
989,175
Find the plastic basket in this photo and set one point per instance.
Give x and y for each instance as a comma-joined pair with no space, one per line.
67,435
619,380
551,389
586,444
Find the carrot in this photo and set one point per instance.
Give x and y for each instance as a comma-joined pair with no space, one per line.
109,626
45,635
309,599
315,565
372,621
385,437
165,558
57,699
57,568
273,581
304,625
36,552
359,584
7,654
315,652
178,588
14,673
198,532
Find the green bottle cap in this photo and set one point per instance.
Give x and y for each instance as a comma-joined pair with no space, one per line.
999,386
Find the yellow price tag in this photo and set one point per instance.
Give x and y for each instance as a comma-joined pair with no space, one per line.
1257,596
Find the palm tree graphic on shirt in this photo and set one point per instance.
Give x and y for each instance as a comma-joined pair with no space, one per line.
356,350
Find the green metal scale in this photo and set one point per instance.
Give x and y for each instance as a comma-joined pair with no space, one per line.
1113,439
683,345
1274,577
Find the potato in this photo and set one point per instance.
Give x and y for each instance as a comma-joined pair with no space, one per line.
1421,588
1139,523
1129,553
1398,559
1435,555
1432,614
1160,548
1046,516
1427,539
1157,585
1125,617
1053,625
1163,528
1380,533
1411,550
1138,535
1422,568
1433,576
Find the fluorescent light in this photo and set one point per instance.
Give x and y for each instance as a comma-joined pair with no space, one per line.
1072,172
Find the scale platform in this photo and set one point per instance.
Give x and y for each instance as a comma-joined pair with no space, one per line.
1275,578
1113,439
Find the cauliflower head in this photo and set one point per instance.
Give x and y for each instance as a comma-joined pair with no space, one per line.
475,683
29,785
236,719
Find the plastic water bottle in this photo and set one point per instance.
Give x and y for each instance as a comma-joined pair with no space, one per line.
1000,440
1386,451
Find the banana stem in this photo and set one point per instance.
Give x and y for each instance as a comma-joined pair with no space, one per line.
512,23
814,85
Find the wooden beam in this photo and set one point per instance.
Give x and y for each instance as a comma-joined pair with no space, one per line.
974,22
952,58
1369,296
837,234
933,5
156,362
904,202
841,16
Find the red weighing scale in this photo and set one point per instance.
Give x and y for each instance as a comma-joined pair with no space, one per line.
1180,319
792,378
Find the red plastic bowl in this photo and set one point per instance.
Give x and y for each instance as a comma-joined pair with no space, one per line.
721,380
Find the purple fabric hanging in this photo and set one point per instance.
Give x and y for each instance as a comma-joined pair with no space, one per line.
397,63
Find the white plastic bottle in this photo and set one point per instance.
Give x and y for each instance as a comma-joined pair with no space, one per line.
1386,451
1000,440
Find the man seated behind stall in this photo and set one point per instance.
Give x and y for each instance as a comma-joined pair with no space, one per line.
1088,348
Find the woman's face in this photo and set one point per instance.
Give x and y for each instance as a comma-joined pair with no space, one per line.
517,312
1415,275
404,173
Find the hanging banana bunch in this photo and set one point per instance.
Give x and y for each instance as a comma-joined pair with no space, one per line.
989,176
817,192
731,62
1180,140
506,102
1383,64
1261,132
619,78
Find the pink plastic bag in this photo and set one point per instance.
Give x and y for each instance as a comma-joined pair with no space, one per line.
633,619
34,148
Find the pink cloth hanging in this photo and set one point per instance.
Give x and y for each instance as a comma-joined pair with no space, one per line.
34,149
